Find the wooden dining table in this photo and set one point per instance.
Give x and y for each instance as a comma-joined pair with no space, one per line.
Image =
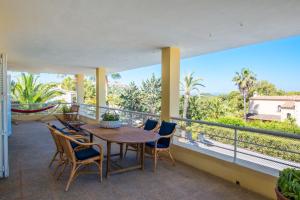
122,135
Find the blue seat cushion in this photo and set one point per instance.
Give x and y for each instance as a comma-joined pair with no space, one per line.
166,128
86,153
159,145
150,124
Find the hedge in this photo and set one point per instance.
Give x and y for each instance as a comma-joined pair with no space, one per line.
285,126
271,141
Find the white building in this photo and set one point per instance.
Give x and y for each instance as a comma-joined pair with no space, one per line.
270,108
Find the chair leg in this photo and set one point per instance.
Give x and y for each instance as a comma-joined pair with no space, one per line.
126,149
137,151
53,159
61,162
72,173
100,169
62,171
155,160
57,167
173,161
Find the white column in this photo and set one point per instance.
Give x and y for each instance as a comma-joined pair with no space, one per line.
80,88
170,75
101,87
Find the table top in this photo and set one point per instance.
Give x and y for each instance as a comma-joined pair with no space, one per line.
125,134
72,124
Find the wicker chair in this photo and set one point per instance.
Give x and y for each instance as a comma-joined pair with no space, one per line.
73,114
148,125
59,153
163,144
83,154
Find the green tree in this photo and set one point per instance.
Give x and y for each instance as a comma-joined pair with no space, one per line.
114,93
68,84
214,107
235,103
115,76
291,93
89,91
266,88
151,94
245,80
28,90
130,99
189,84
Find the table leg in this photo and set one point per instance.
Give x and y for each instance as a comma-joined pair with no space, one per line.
108,146
91,137
121,151
142,156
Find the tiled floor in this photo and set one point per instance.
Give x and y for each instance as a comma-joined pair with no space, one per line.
31,147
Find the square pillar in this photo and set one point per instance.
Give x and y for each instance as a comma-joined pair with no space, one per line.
101,87
170,75
79,88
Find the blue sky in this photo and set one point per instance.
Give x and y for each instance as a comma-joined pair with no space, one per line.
276,61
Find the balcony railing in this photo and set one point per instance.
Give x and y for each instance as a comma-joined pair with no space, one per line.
263,150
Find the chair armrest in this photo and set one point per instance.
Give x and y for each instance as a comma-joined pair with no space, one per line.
141,126
166,136
79,137
156,129
71,131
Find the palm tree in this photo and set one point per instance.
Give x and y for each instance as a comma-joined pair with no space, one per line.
115,76
27,90
190,84
68,84
245,80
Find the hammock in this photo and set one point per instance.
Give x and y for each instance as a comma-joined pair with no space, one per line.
32,111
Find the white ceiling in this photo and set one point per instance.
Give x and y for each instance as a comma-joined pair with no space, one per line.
72,35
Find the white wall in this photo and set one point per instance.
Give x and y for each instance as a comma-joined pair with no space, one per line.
265,107
270,107
297,112
284,113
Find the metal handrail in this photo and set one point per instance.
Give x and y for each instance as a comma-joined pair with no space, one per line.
122,110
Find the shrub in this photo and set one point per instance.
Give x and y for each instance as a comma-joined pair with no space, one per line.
285,126
66,109
275,146
110,116
289,183
232,121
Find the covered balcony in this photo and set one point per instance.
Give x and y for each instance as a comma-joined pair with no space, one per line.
213,161
30,178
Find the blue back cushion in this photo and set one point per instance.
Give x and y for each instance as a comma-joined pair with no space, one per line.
150,124
73,144
166,128
61,130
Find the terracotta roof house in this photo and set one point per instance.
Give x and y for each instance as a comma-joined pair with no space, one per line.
278,108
